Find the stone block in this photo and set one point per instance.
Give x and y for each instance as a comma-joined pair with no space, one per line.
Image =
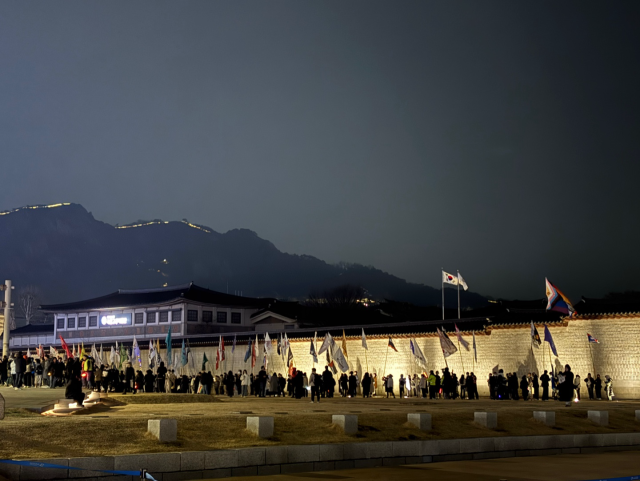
346,464
163,462
303,453
448,446
165,430
420,420
487,419
609,439
331,452
181,476
405,448
245,471
367,463
427,459
268,470
296,468
251,457
216,473
225,458
276,455
430,448
601,418
34,472
348,422
637,414
394,461
192,461
380,450
624,439
261,426
89,464
324,466
548,418
565,441
10,471
130,462
356,451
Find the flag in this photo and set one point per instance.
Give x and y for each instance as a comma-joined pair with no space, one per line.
557,301
462,282
94,355
28,353
449,278
464,343
204,361
221,348
167,341
475,350
123,355
152,355
445,343
247,354
254,352
279,344
390,344
267,343
312,351
82,353
364,340
233,348
136,351
339,359
286,346
417,352
113,356
326,344
74,353
535,337
53,351
40,352
344,345
549,339
158,351
65,347
183,355
217,358
290,357
590,338
101,355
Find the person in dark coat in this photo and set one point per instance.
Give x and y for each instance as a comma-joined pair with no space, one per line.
298,385
536,386
328,382
138,383
149,381
544,381
352,385
366,385
73,390
129,375
566,386
230,382
598,387
161,378
524,387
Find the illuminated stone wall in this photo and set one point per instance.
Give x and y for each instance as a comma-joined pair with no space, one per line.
508,348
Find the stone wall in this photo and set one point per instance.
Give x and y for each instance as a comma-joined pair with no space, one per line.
506,347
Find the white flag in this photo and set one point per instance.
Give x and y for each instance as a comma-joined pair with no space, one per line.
94,355
462,282
101,355
364,341
112,355
327,343
418,354
475,349
338,357
464,343
447,346
267,343
53,351
449,278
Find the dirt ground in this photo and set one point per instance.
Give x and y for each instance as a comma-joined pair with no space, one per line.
219,423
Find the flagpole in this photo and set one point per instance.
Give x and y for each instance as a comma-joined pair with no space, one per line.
593,365
460,351
442,289
459,302
384,372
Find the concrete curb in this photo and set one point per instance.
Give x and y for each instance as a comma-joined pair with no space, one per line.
324,457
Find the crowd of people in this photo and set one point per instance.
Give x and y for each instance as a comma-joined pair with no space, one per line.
562,386
76,374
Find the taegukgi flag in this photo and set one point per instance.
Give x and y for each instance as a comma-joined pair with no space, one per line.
449,278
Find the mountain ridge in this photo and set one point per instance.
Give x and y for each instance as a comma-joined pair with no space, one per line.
69,255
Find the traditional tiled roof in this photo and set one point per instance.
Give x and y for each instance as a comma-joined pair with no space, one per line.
141,297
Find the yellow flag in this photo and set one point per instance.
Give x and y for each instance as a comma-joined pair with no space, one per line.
82,352
344,344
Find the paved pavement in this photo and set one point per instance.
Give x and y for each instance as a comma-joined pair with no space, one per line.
31,398
573,467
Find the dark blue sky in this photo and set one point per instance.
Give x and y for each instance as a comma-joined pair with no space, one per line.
498,138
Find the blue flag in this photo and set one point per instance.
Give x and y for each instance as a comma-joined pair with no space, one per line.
549,339
184,355
592,339
168,341
247,354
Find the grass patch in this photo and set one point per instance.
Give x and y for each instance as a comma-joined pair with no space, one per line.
163,398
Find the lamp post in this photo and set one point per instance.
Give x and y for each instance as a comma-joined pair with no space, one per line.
7,287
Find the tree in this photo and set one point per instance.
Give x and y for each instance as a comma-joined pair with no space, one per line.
29,301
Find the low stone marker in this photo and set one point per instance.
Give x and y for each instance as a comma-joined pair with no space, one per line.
261,426
348,422
420,420
166,430
489,420
547,418
599,417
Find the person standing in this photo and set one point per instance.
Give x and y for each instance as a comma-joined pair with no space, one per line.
388,385
589,383
576,386
314,384
544,381
524,387
565,385
597,384
401,385
366,385
432,385
536,386
463,386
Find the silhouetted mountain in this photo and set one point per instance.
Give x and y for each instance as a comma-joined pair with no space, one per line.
70,255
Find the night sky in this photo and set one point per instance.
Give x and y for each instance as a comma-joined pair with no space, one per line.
498,138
